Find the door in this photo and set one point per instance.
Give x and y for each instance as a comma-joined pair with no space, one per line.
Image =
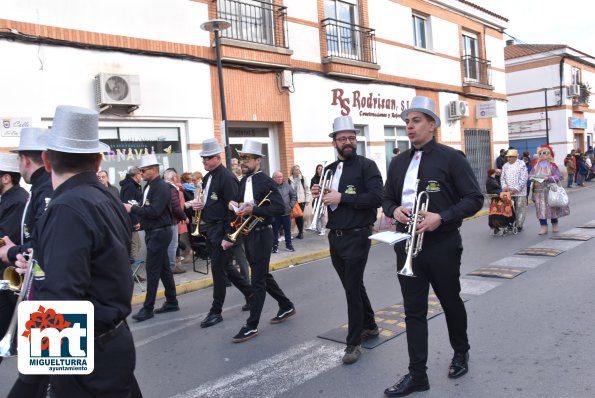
477,150
471,57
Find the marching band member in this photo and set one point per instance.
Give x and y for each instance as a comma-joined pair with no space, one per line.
254,187
82,243
155,218
353,199
220,187
454,194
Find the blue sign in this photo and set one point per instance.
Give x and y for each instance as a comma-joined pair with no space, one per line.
577,123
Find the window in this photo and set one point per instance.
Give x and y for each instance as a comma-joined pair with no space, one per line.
341,36
128,144
471,57
251,20
360,132
575,75
421,31
394,137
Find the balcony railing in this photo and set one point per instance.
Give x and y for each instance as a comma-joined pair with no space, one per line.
583,97
477,71
254,21
349,41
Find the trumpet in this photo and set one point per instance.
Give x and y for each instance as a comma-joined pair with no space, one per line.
7,344
12,280
319,208
198,213
415,242
249,223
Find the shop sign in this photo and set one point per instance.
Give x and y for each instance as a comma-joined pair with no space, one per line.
367,104
11,126
577,123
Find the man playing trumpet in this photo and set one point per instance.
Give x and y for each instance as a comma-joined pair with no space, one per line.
254,188
219,187
453,194
354,195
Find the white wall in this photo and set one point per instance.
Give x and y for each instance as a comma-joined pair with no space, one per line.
166,20
304,40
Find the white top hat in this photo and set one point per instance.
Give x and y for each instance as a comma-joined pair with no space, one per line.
251,147
210,147
342,123
424,105
28,140
75,130
148,160
9,162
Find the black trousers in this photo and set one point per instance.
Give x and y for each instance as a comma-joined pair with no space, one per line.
349,254
258,251
113,375
221,267
157,267
438,265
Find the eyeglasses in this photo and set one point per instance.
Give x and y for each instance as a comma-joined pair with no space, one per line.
543,153
208,157
343,140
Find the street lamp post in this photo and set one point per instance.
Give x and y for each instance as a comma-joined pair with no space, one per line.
216,26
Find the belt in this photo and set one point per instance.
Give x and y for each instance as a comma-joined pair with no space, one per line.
158,229
106,337
341,232
261,228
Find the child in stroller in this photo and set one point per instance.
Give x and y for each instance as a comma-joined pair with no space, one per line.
501,216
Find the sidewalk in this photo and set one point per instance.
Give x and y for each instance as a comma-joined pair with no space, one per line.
312,247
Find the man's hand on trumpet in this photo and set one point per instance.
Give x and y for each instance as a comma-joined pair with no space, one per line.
22,263
329,196
4,248
427,221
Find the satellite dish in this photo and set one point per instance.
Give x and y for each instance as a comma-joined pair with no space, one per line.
116,88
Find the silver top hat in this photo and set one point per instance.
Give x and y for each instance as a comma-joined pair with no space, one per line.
75,130
28,140
9,162
210,147
251,147
424,105
148,160
342,123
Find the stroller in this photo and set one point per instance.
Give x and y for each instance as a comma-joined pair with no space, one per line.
501,215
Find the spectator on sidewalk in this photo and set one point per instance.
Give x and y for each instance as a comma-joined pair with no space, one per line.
178,217
131,191
289,198
570,169
104,179
492,185
302,190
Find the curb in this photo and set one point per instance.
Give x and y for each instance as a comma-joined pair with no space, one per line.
193,286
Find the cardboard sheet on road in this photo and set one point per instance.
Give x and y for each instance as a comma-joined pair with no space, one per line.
391,323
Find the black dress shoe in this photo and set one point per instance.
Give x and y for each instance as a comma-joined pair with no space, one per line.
167,307
406,386
210,320
143,315
300,235
459,365
246,307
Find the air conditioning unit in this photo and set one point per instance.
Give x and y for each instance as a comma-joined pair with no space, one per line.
458,109
116,89
574,90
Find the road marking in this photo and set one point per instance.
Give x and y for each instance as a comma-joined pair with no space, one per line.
273,376
564,245
477,287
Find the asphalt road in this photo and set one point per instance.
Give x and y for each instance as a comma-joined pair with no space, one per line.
531,336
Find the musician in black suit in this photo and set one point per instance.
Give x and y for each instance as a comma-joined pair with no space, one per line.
254,188
453,192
